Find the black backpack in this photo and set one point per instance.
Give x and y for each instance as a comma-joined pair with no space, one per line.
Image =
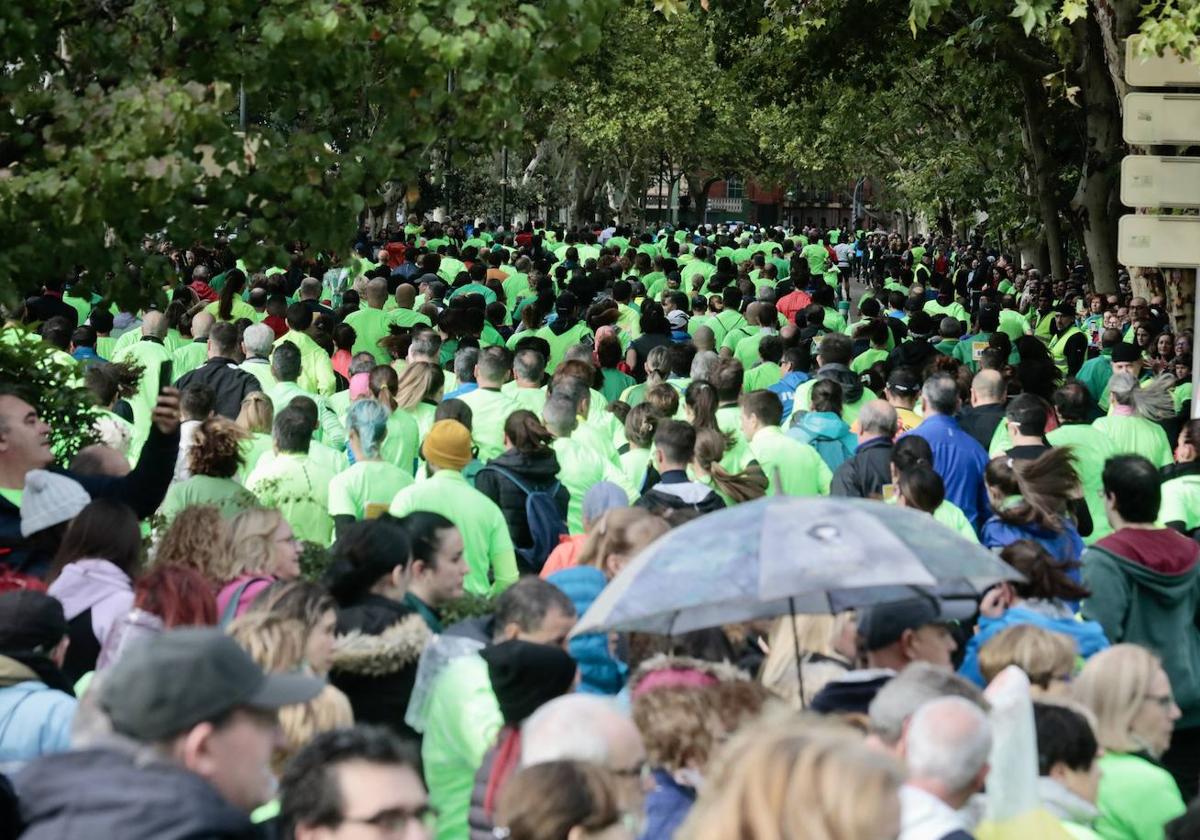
546,524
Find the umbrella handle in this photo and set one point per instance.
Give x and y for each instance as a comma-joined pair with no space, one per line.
796,650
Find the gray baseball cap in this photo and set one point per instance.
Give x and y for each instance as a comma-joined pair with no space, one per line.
883,624
183,677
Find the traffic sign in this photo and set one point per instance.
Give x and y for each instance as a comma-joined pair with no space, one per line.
1167,70
1167,119
1158,241
1154,181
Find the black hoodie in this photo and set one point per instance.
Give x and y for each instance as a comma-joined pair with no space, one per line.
538,471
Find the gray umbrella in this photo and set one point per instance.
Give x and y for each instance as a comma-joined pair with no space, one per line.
783,555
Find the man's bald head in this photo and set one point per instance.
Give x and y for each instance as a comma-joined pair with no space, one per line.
553,733
202,324
406,296
704,339
987,388
752,313
377,292
99,459
310,288
154,325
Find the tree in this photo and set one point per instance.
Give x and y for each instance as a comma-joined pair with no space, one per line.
119,119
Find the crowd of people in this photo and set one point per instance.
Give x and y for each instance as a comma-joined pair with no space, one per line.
315,572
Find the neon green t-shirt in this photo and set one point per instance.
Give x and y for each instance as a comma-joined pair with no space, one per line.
366,489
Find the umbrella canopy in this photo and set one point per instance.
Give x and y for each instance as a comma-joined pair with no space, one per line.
782,554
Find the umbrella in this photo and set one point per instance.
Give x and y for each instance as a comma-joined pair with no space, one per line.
781,555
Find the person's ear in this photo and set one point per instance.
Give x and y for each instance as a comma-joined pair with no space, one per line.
59,654
907,640
194,750
511,631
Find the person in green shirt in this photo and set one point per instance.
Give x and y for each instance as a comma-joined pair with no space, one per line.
149,352
286,368
945,305
1181,483
489,405
768,371
877,333
371,322
195,353
565,331
1091,448
949,331
230,306
366,489
488,546
792,468
580,464
526,388
317,368
292,482
1133,426
213,459
817,256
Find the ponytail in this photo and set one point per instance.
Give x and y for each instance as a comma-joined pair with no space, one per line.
1045,577
235,281
744,486
1039,489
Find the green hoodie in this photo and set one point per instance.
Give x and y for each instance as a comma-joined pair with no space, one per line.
1136,798
1152,607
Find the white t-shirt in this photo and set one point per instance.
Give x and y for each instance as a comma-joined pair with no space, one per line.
843,251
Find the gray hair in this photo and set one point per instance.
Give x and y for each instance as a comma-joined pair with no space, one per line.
572,388
940,394
426,344
559,414
913,687
703,364
368,419
948,740
878,417
529,366
553,732
257,340
464,363
1153,402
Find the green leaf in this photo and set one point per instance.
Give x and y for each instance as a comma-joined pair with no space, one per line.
464,15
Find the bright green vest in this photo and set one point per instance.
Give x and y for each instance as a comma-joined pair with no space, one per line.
1058,348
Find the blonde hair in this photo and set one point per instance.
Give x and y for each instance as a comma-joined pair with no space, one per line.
789,779
620,531
276,643
1113,684
198,538
816,634
545,801
252,542
418,381
1040,653
711,445
257,413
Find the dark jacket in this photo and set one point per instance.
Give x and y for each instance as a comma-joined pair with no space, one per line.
539,471
43,307
375,654
980,421
230,382
864,475
142,489
914,354
104,792
675,492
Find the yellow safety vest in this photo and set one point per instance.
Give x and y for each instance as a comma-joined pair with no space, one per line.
1059,349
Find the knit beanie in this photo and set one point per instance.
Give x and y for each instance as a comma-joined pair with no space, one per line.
602,497
448,445
1126,352
525,675
50,499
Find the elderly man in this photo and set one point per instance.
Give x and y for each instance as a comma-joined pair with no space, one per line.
957,457
257,341
863,475
371,322
987,407
191,355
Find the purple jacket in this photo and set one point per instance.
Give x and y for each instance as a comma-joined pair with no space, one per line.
97,585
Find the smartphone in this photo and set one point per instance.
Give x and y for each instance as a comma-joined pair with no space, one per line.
164,375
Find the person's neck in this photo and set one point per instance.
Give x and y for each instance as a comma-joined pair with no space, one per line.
1118,522
938,790
1028,440
983,403
12,476
419,589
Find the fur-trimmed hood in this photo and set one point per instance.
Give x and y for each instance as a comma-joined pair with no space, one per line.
367,654
661,663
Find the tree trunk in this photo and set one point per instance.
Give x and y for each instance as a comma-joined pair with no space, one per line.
1095,202
1034,135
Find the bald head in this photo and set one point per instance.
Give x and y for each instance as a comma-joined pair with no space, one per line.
154,325
987,388
99,459
202,324
704,339
877,419
752,313
406,296
310,288
553,733
377,293
946,749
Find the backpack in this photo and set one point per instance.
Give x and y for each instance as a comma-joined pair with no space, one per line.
546,524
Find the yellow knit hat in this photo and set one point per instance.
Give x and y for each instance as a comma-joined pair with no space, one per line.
448,445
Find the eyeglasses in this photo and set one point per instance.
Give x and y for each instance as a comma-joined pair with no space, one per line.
396,820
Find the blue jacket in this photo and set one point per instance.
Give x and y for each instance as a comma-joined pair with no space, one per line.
1065,546
960,461
786,390
828,434
1088,635
599,672
35,719
667,807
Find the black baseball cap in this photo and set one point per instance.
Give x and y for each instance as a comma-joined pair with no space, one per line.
883,624
30,621
183,677
904,380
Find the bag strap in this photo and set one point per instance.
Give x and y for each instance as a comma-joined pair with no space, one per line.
511,477
231,608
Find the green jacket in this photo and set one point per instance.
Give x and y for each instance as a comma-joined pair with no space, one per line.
1136,798
1157,610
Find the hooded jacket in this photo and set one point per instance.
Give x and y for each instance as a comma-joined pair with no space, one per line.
828,434
1145,586
35,719
539,471
674,491
107,792
600,672
852,387
864,475
375,658
95,595
1054,616
1074,812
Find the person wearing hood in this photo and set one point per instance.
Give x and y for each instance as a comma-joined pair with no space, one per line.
833,362
822,426
524,676
93,579
1068,769
864,475
566,330
1145,585
37,705
793,369
378,638
527,465
674,449
917,352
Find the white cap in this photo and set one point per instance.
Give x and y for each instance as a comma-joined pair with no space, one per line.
50,499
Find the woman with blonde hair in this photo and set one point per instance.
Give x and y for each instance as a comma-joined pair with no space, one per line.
798,780
640,425
418,392
1046,657
827,651
744,486
561,800
214,458
198,538
1129,693
262,550
256,418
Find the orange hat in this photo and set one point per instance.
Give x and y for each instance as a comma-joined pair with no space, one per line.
448,445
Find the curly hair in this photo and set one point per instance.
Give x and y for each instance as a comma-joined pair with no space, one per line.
251,542
216,448
198,538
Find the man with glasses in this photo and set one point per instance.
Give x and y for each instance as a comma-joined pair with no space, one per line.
355,783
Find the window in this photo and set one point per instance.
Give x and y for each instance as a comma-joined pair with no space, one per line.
734,188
